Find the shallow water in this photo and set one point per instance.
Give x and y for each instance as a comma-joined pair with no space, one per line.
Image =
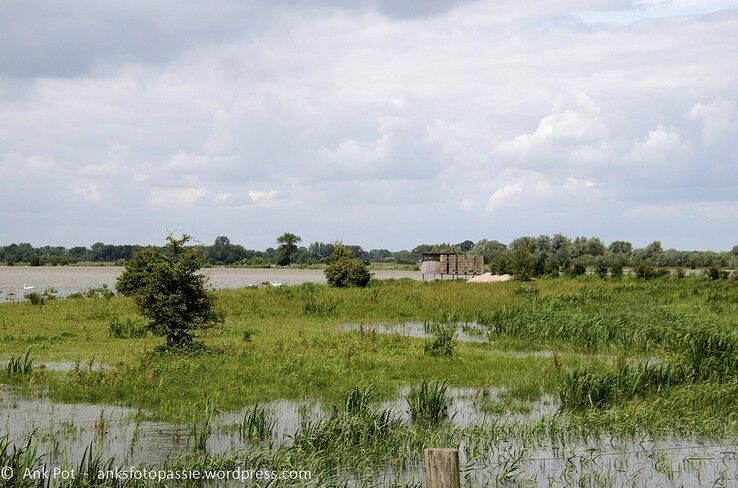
468,332
66,430
72,279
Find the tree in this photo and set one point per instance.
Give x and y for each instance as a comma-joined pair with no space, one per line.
523,258
601,265
344,270
287,248
169,291
621,247
465,246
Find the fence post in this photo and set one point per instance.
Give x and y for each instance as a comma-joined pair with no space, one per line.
442,468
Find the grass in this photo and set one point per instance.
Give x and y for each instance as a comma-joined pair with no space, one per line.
284,342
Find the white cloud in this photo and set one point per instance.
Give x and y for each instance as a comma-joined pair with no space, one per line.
660,145
532,189
263,198
719,120
86,191
347,111
176,197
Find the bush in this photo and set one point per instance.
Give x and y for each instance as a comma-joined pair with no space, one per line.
577,267
713,272
344,270
616,269
35,298
127,328
169,290
645,270
600,266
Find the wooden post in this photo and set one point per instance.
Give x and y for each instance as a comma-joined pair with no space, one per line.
442,468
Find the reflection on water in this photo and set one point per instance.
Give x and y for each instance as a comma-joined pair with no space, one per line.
72,279
65,431
467,332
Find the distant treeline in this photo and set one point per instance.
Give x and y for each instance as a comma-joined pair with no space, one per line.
547,253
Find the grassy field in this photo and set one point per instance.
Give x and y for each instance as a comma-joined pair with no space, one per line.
620,356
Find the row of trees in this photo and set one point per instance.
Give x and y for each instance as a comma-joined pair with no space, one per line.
556,252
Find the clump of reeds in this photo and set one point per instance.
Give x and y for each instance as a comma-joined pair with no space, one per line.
20,365
257,424
588,387
429,402
320,308
443,342
127,328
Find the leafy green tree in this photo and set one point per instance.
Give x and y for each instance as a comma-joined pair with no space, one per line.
523,258
600,266
170,292
465,246
287,249
344,270
621,247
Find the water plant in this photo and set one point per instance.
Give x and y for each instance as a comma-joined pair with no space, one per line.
20,365
257,423
443,342
429,402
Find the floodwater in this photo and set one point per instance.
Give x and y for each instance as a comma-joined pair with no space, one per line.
71,279
466,332
66,430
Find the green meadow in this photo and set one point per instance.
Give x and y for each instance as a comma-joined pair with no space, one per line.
616,357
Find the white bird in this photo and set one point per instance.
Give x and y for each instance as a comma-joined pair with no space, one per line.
276,284
28,287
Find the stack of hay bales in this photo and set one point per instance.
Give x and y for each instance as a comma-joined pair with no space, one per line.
443,265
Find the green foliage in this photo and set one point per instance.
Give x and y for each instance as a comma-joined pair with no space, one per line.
429,402
127,328
344,270
589,387
522,260
35,298
600,266
287,249
20,365
320,308
170,292
257,424
443,342
645,270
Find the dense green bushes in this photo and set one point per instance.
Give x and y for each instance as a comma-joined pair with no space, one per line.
344,270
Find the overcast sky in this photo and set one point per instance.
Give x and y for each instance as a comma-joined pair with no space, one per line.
386,123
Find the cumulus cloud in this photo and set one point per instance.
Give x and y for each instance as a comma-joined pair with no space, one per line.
176,197
263,198
305,115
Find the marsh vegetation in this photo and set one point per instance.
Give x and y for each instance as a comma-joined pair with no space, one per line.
570,381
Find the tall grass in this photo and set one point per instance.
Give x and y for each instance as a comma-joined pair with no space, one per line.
20,365
429,402
257,424
443,342
127,328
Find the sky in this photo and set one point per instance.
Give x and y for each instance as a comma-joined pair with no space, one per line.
383,123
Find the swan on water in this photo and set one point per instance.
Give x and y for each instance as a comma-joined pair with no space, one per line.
28,287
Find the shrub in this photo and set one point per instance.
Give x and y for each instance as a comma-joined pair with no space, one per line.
248,335
577,267
600,266
127,328
169,291
344,270
645,270
616,269
713,272
35,298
